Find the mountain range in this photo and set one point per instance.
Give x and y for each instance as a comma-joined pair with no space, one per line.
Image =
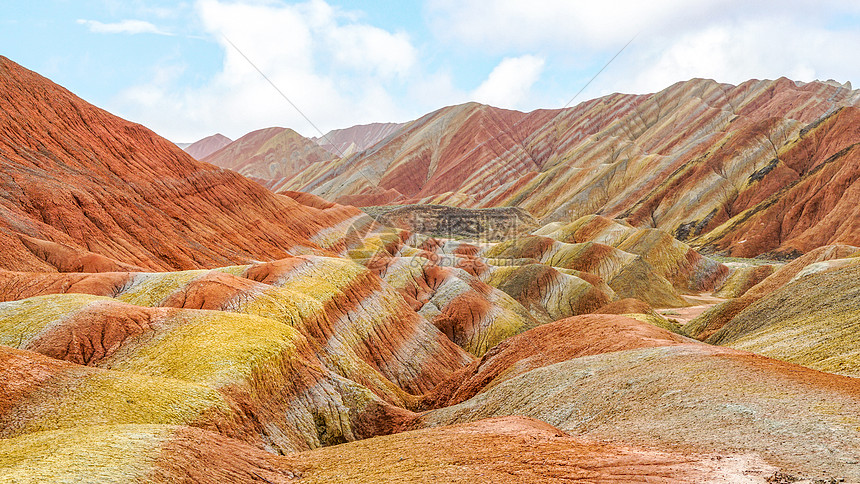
710,163
553,315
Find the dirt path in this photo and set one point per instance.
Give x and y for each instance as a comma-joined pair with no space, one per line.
701,303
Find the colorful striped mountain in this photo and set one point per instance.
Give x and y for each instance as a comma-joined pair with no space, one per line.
166,320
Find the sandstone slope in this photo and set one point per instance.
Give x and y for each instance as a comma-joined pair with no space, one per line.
813,320
79,180
717,317
514,449
507,449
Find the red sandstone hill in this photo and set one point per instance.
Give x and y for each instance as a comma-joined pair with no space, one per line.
269,153
202,148
688,160
77,183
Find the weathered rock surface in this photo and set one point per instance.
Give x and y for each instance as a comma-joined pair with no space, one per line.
814,320
546,345
627,274
676,261
472,313
514,449
744,278
357,325
714,319
806,198
137,453
548,293
248,377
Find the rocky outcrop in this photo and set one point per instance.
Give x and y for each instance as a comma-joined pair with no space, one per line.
549,293
342,309
490,224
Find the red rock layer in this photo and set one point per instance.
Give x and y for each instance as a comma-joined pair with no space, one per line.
470,312
76,176
816,195
382,347
22,285
194,455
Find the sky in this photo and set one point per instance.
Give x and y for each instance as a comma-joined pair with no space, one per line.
189,69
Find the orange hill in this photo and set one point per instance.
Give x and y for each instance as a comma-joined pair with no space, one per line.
80,182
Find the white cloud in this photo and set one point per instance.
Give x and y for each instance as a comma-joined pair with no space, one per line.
734,52
341,70
336,70
122,27
558,24
728,40
364,46
510,83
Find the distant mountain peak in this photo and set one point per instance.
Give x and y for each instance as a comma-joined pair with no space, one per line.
202,148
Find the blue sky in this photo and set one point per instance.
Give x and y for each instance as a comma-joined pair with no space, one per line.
169,66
